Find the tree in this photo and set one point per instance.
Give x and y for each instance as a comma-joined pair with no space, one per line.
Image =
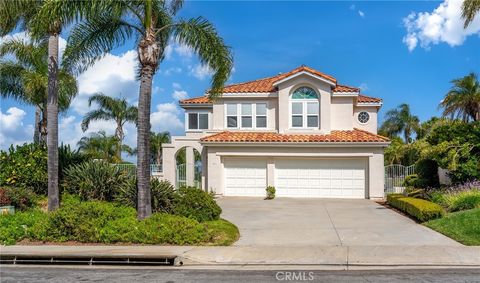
100,146
469,9
111,109
400,121
45,19
156,142
463,99
152,23
24,77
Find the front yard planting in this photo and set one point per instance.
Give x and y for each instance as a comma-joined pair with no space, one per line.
108,223
463,226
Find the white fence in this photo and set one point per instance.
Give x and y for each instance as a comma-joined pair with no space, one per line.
395,177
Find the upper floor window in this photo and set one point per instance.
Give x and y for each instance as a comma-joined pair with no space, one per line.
305,108
246,115
197,121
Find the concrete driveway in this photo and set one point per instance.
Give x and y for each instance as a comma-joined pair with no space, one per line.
324,222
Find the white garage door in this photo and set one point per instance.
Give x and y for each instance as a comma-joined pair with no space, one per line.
335,178
245,177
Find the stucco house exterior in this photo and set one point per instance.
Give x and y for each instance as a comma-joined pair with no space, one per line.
301,132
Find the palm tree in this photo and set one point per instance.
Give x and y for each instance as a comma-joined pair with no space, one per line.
111,109
400,121
24,77
100,146
45,22
152,23
156,142
463,99
469,9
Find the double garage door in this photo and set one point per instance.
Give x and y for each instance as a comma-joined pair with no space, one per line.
335,178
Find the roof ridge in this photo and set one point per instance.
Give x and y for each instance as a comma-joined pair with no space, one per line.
377,135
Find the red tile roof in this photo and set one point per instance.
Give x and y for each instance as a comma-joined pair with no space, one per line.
353,136
344,88
196,100
367,99
266,84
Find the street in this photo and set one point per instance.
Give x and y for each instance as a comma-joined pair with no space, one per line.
120,274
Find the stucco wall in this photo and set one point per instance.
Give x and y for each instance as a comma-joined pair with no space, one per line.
341,113
286,89
371,125
373,156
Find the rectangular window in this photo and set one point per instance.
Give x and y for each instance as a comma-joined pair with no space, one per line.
297,114
246,115
312,114
197,121
203,121
261,115
232,116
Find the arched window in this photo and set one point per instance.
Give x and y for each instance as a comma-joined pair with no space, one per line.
305,108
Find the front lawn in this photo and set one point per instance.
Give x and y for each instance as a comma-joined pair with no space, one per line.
463,226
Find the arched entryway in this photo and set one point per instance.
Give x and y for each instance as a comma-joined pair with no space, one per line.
188,167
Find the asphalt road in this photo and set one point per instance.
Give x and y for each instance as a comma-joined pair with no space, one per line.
95,274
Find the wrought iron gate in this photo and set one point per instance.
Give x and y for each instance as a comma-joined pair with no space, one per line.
395,177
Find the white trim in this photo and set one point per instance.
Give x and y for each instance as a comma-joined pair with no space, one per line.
367,104
345,94
187,113
294,154
239,116
196,105
248,94
304,73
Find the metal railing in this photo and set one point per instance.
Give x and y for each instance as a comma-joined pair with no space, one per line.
395,175
181,179
132,168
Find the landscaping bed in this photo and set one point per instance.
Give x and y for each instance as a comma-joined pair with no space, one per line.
109,223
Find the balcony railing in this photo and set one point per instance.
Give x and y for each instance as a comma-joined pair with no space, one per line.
132,168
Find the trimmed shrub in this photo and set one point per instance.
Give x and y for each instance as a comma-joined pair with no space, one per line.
25,166
463,200
420,209
21,225
270,192
427,171
95,180
196,204
162,193
410,181
20,198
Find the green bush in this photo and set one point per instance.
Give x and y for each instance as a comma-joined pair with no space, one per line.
20,198
196,204
411,181
270,192
104,222
162,193
463,200
95,180
68,157
420,209
427,171
25,166
437,197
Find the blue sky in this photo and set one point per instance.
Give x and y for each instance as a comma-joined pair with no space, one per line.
403,52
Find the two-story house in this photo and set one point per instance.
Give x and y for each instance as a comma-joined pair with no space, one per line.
301,132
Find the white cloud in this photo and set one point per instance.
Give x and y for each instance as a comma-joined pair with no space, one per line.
363,87
13,131
113,75
179,94
176,85
180,50
361,13
170,71
166,118
201,71
444,24
352,7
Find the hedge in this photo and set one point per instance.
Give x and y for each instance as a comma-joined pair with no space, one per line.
420,209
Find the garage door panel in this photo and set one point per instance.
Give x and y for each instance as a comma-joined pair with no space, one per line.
340,178
245,177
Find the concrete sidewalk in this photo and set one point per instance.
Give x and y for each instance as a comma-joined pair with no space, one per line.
328,257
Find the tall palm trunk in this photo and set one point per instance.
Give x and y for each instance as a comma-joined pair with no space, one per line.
119,134
43,124
148,53
36,133
52,125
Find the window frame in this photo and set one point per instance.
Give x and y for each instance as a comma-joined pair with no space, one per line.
304,102
239,115
368,119
197,113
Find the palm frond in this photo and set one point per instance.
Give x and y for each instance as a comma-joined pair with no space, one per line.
201,36
17,14
470,9
95,115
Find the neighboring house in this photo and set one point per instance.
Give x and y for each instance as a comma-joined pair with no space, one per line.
300,131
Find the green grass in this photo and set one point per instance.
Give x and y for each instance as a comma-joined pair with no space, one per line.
463,226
